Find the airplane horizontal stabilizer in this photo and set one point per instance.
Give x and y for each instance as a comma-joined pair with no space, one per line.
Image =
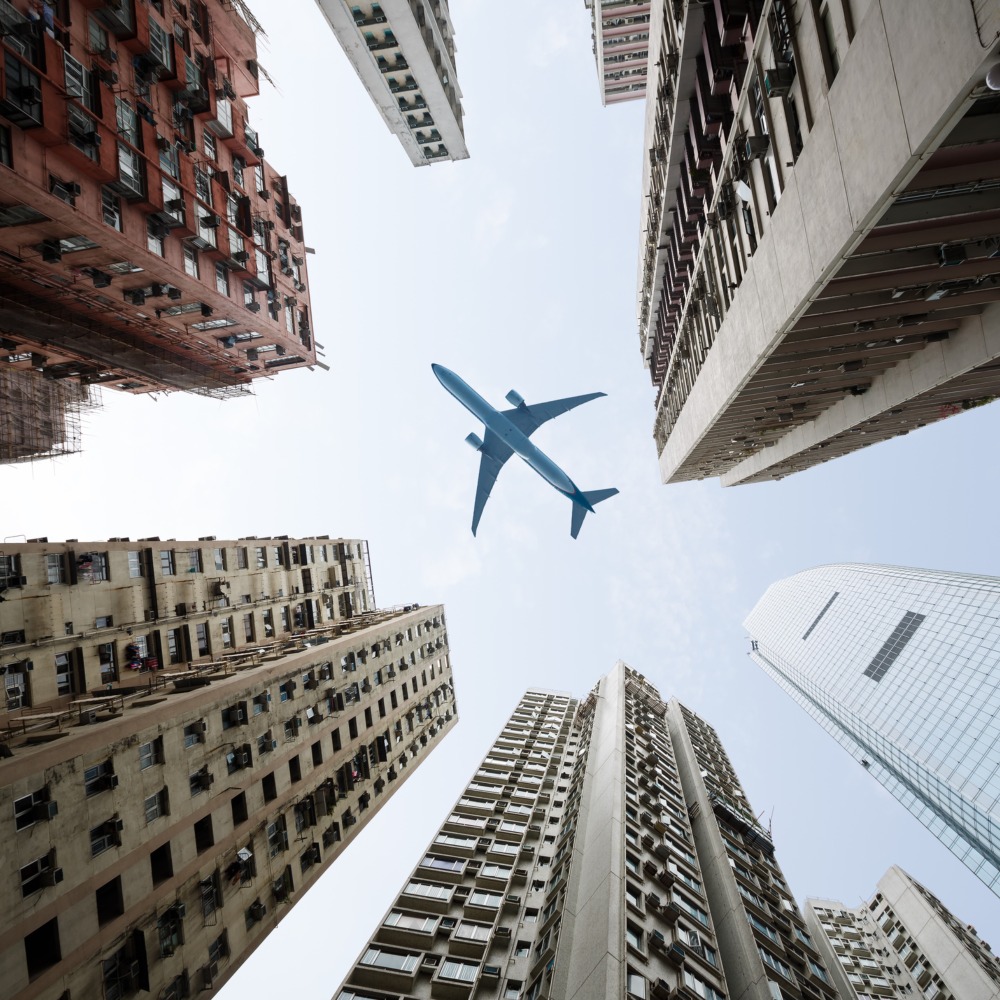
593,498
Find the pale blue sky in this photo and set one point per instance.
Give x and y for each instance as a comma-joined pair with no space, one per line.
516,268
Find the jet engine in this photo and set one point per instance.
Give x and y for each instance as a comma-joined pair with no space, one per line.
474,441
514,398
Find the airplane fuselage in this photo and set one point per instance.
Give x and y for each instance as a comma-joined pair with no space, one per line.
517,441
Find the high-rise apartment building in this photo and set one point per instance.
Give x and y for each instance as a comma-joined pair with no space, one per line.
603,848
145,243
620,32
902,667
819,250
201,741
404,53
903,943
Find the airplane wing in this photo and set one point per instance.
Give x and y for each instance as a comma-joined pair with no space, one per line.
494,453
527,419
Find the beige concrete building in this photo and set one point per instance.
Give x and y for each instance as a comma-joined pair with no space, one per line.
602,848
819,257
404,53
191,752
903,943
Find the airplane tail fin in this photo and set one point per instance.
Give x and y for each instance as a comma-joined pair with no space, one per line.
593,498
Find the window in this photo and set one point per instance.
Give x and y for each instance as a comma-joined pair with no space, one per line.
30,808
135,565
396,961
201,638
191,261
632,863
635,985
104,621
522,949
463,972
40,873
99,778
208,141
775,963
219,948
204,836
226,627
277,836
701,988
170,931
442,892
161,864
42,949
410,922
633,935
473,932
155,234
151,753
110,903
55,571
166,562
105,836
156,805
160,46
633,896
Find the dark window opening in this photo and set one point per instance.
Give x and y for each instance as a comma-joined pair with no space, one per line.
161,864
41,948
110,903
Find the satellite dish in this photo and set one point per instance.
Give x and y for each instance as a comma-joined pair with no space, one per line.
993,77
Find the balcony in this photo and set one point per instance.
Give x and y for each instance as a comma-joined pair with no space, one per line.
433,136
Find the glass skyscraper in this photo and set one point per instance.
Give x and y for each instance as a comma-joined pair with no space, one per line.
902,667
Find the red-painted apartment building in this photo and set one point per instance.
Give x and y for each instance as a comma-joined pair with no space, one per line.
145,244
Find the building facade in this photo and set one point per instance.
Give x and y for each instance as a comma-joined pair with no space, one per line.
404,53
903,943
80,616
603,848
902,667
156,833
620,32
818,258
145,243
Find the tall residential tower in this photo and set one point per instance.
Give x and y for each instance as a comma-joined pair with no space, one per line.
404,53
903,943
145,243
902,667
620,32
187,756
603,848
819,246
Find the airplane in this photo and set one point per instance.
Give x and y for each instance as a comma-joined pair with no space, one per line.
507,433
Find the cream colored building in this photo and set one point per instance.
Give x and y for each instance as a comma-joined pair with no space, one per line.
602,848
819,252
903,943
158,818
404,53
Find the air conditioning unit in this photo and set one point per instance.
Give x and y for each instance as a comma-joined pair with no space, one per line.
491,971
44,811
206,779
110,781
756,146
211,221
657,940
257,910
778,82
209,974
502,932
237,715
51,876
201,726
